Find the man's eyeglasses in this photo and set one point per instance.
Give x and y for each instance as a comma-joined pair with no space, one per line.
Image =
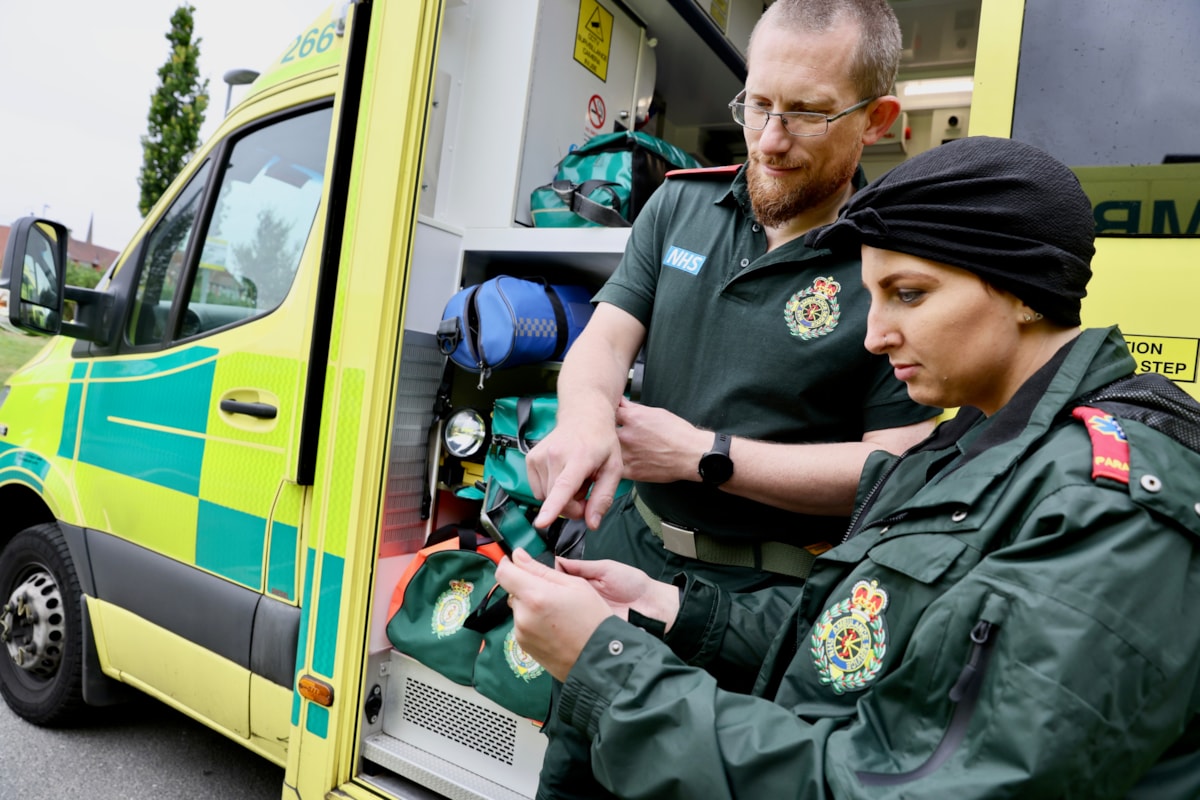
797,123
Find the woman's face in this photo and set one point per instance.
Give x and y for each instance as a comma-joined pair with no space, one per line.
952,338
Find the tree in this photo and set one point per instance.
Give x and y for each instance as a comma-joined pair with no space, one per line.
176,112
269,262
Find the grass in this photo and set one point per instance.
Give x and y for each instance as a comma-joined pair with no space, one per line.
15,349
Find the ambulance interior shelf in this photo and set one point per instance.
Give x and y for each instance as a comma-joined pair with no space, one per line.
584,255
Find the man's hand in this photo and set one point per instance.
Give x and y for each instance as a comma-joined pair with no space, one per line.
658,446
567,464
554,614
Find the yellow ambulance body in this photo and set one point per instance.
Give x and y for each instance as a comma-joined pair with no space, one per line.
213,478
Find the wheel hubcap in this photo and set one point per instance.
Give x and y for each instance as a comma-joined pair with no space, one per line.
33,626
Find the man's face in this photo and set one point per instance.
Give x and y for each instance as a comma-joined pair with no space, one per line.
793,71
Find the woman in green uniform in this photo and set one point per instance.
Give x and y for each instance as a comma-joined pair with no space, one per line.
1010,612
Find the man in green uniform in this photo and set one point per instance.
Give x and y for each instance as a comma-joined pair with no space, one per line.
759,405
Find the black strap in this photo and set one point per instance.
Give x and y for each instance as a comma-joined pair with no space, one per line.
637,376
576,198
493,611
560,322
449,334
524,412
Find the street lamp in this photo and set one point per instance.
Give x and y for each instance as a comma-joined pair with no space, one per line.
237,77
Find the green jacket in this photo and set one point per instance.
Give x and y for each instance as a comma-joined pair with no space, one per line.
1000,624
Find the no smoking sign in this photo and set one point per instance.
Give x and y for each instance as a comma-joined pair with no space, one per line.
596,112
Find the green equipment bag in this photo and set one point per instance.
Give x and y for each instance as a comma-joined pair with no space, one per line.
448,613
518,423
606,181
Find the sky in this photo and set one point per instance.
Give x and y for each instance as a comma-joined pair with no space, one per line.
76,78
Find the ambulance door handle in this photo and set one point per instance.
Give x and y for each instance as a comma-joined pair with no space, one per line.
260,410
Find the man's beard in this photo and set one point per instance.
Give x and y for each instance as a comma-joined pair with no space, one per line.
777,202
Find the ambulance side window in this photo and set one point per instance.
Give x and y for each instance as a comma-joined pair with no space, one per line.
163,263
264,212
246,253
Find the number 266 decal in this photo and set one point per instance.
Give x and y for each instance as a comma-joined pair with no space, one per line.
315,41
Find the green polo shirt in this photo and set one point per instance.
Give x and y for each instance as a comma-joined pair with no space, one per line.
762,345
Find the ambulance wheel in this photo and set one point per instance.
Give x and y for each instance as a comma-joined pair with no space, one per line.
41,644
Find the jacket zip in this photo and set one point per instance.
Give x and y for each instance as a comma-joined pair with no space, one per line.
869,500
965,695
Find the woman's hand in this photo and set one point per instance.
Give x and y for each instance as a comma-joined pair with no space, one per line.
554,613
624,587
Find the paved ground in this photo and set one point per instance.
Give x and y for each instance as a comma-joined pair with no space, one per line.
136,751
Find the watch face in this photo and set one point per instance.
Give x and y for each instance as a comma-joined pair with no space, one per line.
716,468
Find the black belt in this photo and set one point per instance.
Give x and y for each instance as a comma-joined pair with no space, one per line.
785,559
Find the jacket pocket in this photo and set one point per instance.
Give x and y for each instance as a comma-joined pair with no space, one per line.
963,694
924,559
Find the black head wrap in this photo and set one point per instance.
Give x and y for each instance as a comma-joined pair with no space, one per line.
1007,211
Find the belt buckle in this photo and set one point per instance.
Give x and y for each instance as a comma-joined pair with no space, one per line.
680,541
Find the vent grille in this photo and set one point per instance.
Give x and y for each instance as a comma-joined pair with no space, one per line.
469,724
421,364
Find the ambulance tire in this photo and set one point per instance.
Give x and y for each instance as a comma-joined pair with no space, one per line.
45,688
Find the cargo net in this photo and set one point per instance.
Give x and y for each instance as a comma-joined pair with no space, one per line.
1153,401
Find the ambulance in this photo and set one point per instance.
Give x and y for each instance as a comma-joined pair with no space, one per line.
217,469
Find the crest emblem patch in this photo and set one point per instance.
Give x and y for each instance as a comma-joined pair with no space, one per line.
520,662
452,608
814,311
850,639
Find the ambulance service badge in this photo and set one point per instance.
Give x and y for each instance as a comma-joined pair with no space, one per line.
814,311
452,608
520,662
850,639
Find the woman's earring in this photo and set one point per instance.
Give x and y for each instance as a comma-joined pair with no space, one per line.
1029,318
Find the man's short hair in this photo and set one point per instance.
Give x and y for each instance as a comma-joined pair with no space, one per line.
877,58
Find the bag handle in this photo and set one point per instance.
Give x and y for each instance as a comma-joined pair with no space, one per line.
493,611
524,413
577,200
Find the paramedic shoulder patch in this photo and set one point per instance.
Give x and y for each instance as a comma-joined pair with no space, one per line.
849,641
452,608
1110,447
814,311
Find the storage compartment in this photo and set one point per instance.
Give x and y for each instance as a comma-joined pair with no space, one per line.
452,739
587,61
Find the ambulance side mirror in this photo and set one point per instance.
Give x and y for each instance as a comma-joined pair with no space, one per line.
34,268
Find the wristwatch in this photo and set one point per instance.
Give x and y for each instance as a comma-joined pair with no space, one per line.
716,466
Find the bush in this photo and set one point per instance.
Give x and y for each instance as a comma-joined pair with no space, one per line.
82,275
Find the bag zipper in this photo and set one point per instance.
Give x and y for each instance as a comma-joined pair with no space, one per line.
502,441
471,338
